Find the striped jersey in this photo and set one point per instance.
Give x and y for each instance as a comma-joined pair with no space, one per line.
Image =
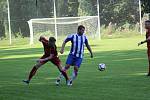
77,44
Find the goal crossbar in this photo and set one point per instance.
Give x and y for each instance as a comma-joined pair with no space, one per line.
51,20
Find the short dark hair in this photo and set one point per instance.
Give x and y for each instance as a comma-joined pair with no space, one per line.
147,21
80,27
52,39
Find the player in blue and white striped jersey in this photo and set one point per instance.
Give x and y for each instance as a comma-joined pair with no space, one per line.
78,40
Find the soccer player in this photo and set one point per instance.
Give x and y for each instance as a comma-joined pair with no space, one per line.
75,56
50,54
147,27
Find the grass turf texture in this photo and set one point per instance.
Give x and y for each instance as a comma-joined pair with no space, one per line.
124,78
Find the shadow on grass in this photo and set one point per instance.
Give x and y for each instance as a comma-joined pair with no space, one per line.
24,51
106,56
116,58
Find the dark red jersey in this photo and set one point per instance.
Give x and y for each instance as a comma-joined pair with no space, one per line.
49,50
45,46
148,35
53,50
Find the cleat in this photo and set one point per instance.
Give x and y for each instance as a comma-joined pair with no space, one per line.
26,81
69,82
57,82
148,74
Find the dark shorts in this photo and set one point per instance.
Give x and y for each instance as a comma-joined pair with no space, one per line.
56,61
73,60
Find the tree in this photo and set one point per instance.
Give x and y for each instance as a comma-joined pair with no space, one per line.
3,18
23,10
119,12
87,8
145,7
67,8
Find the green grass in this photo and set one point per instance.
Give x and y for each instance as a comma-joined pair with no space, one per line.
124,79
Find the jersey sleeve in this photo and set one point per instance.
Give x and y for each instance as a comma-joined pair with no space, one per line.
45,42
69,38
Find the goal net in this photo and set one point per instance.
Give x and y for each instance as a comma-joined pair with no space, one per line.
63,26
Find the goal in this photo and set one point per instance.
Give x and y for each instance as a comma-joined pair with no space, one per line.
63,26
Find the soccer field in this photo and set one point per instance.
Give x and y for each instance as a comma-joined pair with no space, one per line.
124,78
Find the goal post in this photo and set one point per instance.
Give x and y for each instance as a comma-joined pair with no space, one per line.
65,26
31,31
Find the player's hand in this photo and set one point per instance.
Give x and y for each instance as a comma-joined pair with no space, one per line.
140,43
62,51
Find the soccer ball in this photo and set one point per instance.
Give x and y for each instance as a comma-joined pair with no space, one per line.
101,67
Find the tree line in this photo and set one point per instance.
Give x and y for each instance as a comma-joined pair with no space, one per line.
118,12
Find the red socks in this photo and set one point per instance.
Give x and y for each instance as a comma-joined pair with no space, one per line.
32,73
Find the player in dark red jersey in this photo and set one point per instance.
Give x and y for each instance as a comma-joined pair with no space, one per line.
147,27
50,54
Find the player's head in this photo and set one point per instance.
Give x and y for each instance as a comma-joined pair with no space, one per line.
41,38
147,24
81,29
52,41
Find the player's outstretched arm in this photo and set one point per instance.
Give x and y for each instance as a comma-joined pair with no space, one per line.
142,42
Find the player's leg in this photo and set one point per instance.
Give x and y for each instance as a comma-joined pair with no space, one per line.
67,66
32,72
69,62
78,62
149,68
34,69
64,73
148,53
74,74
56,61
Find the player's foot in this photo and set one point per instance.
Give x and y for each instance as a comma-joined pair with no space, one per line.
148,74
57,82
26,81
69,82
